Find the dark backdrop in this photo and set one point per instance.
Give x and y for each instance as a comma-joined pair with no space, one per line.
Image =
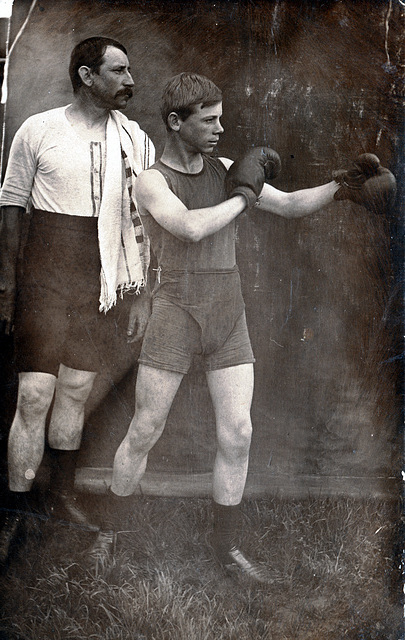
320,82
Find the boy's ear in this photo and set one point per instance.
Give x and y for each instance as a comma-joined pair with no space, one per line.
174,121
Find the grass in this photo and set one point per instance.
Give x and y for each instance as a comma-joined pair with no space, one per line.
333,567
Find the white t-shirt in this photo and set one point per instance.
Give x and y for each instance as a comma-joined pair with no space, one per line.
53,165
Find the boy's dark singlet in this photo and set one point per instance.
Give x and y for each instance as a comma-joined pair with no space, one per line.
200,277
196,191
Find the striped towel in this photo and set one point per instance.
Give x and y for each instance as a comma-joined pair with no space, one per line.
124,249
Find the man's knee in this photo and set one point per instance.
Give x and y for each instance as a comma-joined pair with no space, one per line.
35,393
75,386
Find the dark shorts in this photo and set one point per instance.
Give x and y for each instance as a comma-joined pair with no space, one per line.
211,326
57,318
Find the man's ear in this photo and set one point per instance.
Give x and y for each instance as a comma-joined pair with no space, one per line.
174,121
86,75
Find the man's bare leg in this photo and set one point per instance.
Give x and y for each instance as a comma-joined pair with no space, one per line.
73,387
155,392
27,434
25,452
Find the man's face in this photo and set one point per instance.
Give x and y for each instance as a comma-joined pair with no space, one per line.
112,84
201,130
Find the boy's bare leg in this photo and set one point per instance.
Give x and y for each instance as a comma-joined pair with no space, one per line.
231,391
154,395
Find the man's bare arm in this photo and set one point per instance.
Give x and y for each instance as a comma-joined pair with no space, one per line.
10,237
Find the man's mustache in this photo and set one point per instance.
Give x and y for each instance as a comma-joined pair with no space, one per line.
125,92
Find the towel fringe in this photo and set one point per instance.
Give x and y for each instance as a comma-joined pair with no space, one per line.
130,288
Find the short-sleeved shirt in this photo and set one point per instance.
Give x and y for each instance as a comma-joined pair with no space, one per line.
53,165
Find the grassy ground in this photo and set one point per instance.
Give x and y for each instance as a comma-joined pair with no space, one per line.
332,564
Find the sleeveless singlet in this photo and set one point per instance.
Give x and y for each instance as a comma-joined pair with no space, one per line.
196,191
200,277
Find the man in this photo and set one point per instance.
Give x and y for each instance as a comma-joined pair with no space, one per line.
77,164
189,202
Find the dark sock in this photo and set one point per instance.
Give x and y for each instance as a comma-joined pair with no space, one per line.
226,526
62,470
117,509
13,517
17,502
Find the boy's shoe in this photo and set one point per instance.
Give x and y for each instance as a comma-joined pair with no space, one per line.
236,563
102,549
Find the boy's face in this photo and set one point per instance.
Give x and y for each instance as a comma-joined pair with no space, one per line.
201,130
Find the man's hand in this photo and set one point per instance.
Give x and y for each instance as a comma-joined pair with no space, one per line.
7,303
366,182
247,175
138,317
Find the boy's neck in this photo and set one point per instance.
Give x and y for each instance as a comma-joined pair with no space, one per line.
181,159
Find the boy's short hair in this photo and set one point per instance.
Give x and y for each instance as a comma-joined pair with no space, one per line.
184,91
89,53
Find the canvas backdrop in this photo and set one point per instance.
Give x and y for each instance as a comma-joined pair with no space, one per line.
320,83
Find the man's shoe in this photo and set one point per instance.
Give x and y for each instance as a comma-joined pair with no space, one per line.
236,563
8,534
101,550
66,507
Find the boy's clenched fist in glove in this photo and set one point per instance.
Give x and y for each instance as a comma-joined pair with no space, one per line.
247,175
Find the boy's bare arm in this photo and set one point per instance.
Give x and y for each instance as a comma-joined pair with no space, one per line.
190,225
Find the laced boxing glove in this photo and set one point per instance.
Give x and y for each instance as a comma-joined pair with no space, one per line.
366,183
247,175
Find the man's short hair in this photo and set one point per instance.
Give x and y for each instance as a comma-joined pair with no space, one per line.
186,90
89,53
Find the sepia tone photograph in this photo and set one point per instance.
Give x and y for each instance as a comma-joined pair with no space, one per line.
201,319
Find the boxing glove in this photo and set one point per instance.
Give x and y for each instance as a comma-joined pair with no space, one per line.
366,183
247,175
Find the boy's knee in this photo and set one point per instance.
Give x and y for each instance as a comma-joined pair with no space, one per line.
244,436
145,430
235,439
